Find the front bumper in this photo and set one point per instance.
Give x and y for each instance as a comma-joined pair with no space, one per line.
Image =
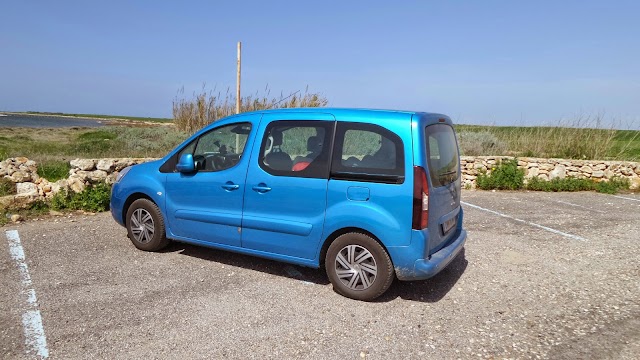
116,204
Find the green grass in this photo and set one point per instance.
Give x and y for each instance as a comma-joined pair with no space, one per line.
54,170
61,145
97,135
64,144
626,145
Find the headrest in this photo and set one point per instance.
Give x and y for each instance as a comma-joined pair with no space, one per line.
314,144
277,138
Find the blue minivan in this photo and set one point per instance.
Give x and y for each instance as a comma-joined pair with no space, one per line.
370,195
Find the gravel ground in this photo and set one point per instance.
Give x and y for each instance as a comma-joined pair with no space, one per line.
518,291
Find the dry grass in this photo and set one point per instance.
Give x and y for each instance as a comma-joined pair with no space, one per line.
585,137
205,107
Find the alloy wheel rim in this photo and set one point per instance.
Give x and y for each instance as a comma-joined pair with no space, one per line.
356,267
142,226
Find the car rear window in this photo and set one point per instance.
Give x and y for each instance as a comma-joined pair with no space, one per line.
442,154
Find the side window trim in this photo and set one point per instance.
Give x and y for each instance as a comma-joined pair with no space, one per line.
340,172
170,165
366,177
329,127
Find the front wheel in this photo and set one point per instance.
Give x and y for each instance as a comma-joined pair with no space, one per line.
145,226
359,267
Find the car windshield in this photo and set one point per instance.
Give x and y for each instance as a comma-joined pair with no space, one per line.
442,154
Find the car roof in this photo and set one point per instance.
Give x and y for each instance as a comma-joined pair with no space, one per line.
345,112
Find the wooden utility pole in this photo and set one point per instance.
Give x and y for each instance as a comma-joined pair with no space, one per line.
238,99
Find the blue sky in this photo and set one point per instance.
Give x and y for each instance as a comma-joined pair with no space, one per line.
481,62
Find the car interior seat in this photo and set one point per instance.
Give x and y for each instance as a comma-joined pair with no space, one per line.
383,158
314,146
276,158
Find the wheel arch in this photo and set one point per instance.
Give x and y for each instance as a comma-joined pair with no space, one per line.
133,197
337,233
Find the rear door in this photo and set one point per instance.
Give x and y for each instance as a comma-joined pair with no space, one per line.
444,183
286,188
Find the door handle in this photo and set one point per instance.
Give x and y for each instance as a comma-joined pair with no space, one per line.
229,186
261,188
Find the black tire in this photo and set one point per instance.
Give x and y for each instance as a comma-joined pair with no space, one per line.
145,226
355,279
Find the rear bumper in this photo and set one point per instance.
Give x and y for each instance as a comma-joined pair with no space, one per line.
426,268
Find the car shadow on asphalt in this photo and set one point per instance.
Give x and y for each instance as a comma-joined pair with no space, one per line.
431,290
315,276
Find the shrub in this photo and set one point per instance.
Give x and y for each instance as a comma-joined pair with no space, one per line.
575,184
146,141
504,176
480,143
566,184
97,135
127,141
94,199
613,185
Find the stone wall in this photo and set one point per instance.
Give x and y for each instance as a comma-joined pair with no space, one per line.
84,172
30,187
548,169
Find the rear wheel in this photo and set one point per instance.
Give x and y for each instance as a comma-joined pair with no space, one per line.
145,226
358,267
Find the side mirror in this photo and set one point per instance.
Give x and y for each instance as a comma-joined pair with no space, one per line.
186,164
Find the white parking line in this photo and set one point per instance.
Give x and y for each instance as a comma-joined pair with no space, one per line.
35,340
580,206
558,232
624,197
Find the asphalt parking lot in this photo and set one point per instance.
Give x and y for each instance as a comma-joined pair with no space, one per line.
543,275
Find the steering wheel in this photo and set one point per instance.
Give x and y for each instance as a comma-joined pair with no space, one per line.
216,162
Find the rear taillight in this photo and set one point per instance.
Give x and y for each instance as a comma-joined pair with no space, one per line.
420,199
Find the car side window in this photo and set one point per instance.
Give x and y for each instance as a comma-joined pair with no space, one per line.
220,148
366,152
297,148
